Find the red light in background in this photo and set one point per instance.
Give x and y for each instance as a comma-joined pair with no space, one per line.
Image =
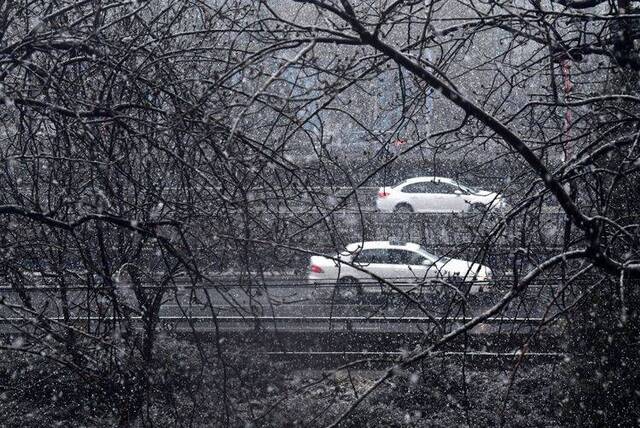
400,142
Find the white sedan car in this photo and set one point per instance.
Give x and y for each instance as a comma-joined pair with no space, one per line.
402,264
435,194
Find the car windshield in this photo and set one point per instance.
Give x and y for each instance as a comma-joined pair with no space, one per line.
467,188
423,251
432,257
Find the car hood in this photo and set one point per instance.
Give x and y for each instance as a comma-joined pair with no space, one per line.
484,193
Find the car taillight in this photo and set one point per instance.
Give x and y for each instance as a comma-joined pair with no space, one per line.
316,269
383,194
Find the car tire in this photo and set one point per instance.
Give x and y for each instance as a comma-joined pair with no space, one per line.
477,208
403,208
462,286
348,288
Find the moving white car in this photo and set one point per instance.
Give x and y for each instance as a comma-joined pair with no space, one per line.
404,264
435,194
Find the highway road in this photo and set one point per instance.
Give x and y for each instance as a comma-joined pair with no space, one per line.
289,304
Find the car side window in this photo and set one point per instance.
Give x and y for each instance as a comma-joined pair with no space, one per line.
371,256
395,257
436,187
449,188
404,257
415,258
364,256
416,188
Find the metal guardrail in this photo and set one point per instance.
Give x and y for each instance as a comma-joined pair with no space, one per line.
282,319
226,286
396,354
370,360
288,280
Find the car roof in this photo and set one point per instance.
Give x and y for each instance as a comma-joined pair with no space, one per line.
366,245
429,178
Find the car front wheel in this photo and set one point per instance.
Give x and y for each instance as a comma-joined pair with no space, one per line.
477,208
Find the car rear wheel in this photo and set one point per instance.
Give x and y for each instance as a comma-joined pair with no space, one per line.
348,288
403,208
